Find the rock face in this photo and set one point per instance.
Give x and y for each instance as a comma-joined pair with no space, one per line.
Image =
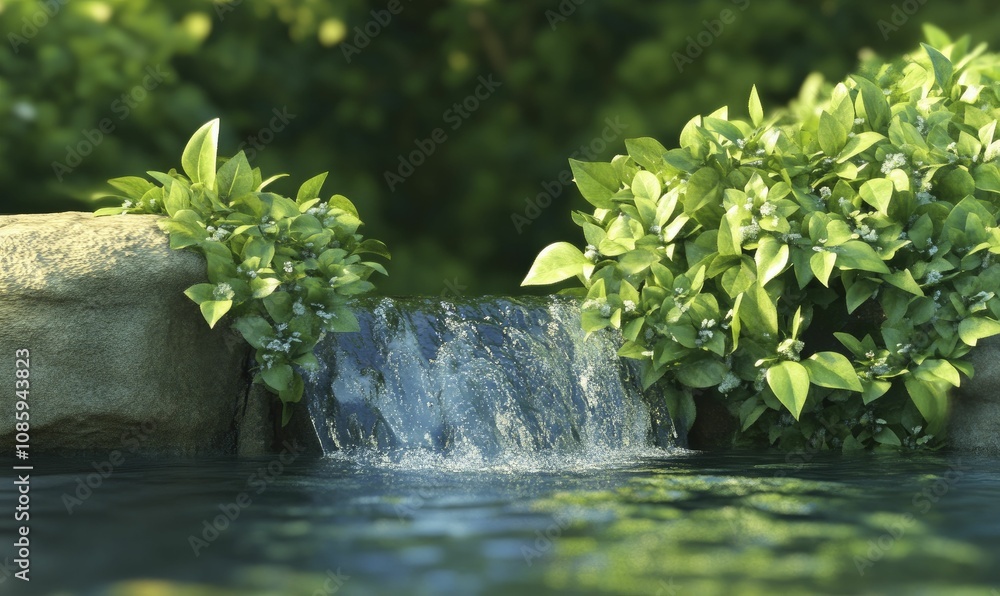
119,357
975,415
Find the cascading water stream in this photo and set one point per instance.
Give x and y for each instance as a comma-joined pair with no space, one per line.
481,382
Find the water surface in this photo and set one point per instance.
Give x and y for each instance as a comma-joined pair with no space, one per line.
644,522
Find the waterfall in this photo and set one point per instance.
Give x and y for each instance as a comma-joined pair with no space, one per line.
480,382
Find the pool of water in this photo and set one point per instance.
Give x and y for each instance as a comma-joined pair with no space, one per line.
658,523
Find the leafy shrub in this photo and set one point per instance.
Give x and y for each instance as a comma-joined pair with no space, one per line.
826,270
69,76
285,268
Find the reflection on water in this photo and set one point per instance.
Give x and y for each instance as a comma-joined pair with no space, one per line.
681,523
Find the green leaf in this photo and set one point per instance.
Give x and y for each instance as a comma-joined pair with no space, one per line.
213,310
771,258
903,280
821,264
831,135
234,178
555,263
858,144
987,177
178,199
342,320
597,182
310,188
887,437
874,102
877,193
646,185
263,286
134,187
758,311
756,111
874,390
934,370
973,329
646,152
790,383
201,292
374,247
943,68
255,330
637,261
294,392
278,377
200,154
856,254
702,373
832,370
930,398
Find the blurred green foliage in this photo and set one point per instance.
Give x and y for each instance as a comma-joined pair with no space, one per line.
151,72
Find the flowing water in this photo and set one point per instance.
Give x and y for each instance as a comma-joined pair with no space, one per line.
485,448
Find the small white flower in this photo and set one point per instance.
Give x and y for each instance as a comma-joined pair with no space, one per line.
893,161
288,267
605,310
749,232
127,204
825,192
932,277
628,306
729,382
859,121
298,308
223,291
768,209
741,143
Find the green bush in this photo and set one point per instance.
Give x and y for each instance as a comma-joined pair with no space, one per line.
453,217
825,270
285,268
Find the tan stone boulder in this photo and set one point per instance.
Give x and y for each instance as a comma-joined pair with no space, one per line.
119,357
